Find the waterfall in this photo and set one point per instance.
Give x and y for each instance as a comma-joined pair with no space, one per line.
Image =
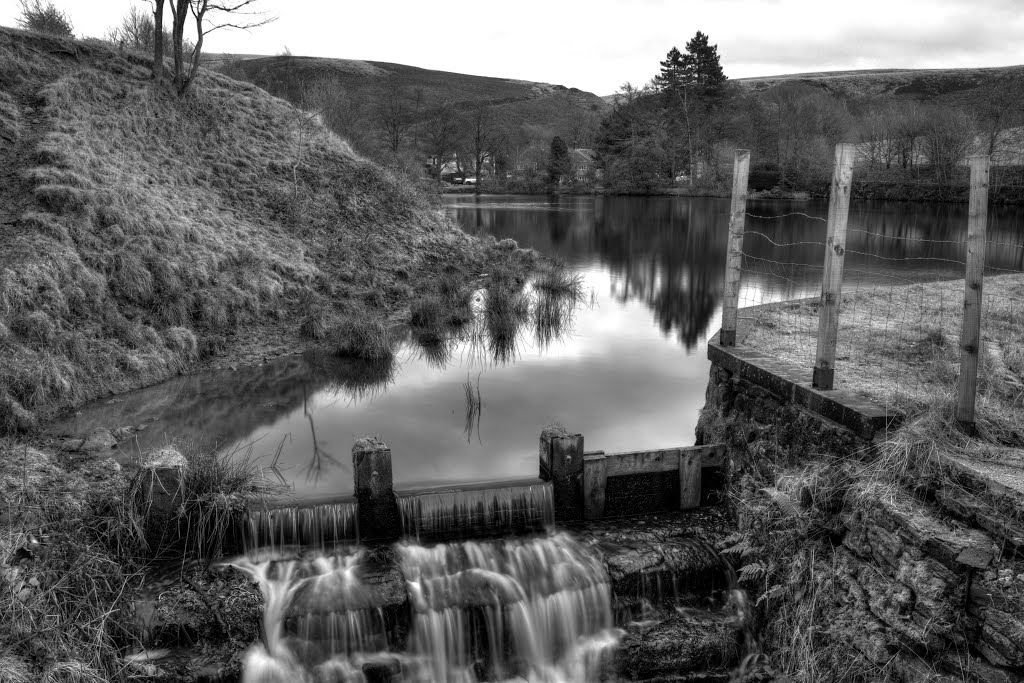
538,608
315,526
491,510
322,621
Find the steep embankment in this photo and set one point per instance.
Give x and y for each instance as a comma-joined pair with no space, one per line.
143,233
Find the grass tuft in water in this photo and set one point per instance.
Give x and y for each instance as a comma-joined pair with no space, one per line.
363,337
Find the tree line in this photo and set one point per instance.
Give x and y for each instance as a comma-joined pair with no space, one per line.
681,129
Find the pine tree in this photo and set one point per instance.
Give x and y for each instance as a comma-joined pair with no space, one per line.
699,67
692,85
559,164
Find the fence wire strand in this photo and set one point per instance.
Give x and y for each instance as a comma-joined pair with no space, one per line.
901,308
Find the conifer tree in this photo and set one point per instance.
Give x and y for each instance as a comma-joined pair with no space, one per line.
559,164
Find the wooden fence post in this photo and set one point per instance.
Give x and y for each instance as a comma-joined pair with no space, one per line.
378,507
734,249
970,330
832,279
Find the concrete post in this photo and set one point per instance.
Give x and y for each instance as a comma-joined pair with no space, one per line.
561,463
375,493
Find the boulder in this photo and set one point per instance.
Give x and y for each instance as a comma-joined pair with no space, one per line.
168,456
99,440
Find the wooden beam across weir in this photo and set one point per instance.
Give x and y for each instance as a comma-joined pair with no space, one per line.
661,460
687,462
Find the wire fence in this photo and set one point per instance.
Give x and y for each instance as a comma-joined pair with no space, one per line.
901,304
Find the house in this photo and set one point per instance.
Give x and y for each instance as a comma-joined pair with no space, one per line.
584,164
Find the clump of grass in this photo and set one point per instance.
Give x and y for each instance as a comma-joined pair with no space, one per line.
62,199
507,309
182,341
428,313
558,280
317,323
65,590
363,337
36,327
214,491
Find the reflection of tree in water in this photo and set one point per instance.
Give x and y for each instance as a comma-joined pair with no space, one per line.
670,253
667,254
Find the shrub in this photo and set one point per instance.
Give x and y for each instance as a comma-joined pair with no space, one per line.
35,16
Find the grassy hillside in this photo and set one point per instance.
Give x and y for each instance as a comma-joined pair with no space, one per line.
145,234
951,86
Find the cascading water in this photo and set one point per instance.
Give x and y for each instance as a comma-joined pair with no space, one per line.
322,622
538,608
316,526
492,510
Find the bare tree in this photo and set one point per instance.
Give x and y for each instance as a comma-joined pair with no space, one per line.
396,114
136,31
486,134
208,16
998,108
948,138
440,133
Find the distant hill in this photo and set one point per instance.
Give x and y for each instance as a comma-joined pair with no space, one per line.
545,108
949,86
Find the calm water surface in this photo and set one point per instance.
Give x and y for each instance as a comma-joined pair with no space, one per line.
630,374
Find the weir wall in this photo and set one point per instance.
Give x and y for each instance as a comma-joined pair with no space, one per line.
858,578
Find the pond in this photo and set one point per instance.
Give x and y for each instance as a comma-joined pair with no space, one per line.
629,372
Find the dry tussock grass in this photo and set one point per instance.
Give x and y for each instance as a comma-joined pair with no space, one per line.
65,587
152,230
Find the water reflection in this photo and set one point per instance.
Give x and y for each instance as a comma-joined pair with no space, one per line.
619,358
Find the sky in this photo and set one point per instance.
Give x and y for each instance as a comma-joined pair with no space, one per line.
597,45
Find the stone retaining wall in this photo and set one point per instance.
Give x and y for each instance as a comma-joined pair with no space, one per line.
857,579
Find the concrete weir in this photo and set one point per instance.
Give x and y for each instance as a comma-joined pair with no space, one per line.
573,485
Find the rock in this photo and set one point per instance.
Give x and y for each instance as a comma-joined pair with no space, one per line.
122,433
99,440
71,445
168,456
692,641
